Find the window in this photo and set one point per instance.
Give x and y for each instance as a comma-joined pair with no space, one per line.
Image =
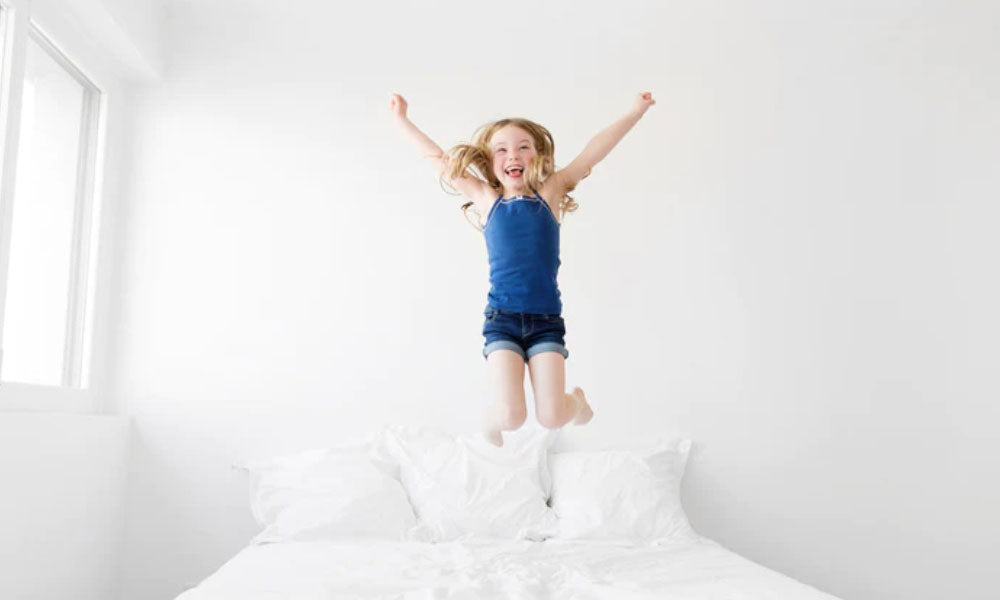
45,312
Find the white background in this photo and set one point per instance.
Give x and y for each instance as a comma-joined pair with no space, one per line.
791,259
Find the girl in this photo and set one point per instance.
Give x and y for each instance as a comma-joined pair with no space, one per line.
515,185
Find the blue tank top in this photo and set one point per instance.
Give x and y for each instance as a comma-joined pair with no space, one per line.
522,241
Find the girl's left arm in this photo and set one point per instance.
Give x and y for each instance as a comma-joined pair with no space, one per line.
603,142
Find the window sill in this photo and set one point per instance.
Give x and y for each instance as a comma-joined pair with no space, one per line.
26,397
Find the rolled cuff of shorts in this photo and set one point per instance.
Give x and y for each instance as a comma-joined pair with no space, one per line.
503,345
548,347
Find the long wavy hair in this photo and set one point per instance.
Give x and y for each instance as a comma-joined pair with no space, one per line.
479,157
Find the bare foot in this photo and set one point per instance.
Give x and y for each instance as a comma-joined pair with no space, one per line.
494,438
583,411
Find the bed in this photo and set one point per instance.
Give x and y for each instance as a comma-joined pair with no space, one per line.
419,514
525,570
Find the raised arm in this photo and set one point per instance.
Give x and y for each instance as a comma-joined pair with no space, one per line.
424,145
469,186
602,143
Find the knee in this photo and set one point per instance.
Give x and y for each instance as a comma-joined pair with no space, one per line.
550,415
514,415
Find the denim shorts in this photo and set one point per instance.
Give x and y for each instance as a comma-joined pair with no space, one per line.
524,333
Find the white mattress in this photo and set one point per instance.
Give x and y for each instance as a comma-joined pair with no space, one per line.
550,570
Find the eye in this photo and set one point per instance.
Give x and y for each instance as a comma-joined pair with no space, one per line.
525,147
502,150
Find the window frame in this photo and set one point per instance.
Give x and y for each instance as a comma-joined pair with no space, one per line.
74,393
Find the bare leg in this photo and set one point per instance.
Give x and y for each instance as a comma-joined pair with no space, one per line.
507,410
553,406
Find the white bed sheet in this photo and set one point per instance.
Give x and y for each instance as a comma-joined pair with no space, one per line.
552,570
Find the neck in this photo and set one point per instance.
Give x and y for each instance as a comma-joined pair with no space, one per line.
514,193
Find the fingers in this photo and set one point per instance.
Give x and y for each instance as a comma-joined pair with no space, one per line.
397,104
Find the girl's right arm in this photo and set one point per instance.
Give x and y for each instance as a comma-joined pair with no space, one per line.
472,187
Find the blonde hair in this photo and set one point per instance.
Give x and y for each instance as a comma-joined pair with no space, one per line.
479,156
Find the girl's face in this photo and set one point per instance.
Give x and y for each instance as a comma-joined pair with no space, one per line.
513,150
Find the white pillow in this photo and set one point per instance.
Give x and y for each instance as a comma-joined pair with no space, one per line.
336,493
464,487
621,495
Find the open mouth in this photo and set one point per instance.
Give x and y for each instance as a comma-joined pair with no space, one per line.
514,171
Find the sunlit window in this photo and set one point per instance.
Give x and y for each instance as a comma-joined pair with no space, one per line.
45,312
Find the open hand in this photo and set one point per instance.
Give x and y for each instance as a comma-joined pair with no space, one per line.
398,106
643,101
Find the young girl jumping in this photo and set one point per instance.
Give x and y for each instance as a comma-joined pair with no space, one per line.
517,193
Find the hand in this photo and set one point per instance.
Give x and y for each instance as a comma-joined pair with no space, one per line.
643,101
398,106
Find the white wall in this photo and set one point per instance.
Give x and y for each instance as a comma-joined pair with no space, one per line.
790,259
61,505
124,36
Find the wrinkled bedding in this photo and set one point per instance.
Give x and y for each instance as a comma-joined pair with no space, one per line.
700,569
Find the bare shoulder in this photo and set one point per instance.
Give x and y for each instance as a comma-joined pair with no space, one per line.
477,190
553,191
483,200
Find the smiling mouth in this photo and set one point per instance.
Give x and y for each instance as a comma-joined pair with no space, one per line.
514,171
